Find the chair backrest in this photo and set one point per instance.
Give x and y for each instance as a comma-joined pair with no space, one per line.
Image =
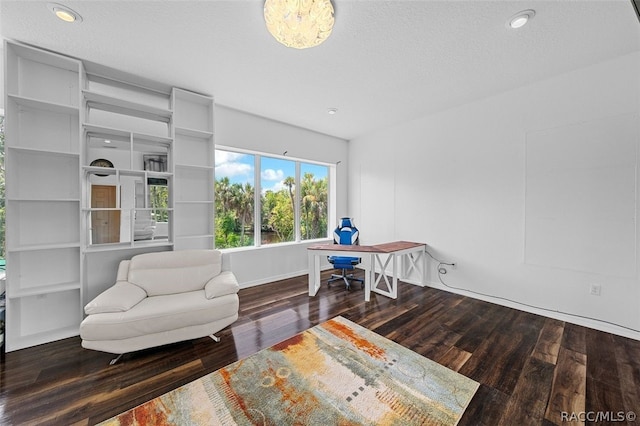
346,233
172,272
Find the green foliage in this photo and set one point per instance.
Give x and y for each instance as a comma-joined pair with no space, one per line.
225,230
313,206
277,215
235,211
159,196
234,214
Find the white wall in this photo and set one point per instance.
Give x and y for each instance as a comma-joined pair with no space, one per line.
241,130
532,193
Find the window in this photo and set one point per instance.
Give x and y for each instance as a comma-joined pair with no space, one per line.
278,186
314,201
292,204
234,196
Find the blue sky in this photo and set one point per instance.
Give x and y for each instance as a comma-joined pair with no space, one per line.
239,168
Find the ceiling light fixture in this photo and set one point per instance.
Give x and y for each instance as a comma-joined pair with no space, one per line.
64,13
299,23
520,19
332,111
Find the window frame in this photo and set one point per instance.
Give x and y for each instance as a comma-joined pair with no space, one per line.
257,184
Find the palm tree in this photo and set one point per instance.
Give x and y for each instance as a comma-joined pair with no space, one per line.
245,208
223,194
308,199
314,204
290,182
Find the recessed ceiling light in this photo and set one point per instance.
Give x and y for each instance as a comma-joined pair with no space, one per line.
520,19
332,111
64,13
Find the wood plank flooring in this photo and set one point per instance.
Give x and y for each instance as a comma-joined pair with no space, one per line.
532,370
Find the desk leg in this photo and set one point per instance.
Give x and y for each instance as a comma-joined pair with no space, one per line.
424,265
394,285
314,273
368,274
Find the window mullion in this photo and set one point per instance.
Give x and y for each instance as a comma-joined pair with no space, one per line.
296,213
257,203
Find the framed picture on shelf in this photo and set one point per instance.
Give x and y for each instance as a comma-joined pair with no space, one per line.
155,162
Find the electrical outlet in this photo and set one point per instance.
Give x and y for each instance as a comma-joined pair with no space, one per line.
594,290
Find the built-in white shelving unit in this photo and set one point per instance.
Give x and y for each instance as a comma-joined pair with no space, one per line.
194,169
42,157
100,165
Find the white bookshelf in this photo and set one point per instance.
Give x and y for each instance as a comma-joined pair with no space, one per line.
42,157
194,169
60,115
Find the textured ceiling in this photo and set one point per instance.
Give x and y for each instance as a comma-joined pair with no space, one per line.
386,61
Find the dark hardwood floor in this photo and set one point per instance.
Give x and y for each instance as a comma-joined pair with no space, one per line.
531,369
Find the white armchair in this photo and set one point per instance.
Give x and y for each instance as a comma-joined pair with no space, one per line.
162,298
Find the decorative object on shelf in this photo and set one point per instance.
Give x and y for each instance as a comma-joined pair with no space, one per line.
155,163
101,162
299,23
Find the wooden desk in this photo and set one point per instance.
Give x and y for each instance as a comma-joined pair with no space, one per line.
412,255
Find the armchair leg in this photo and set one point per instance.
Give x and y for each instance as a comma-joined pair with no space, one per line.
116,359
215,338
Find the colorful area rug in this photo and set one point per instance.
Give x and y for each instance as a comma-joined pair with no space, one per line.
336,373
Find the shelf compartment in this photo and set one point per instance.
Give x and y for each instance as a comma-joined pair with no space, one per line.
195,220
57,270
112,133
122,87
48,152
192,110
124,107
130,152
33,103
192,184
43,318
194,133
42,223
39,75
192,150
46,289
107,111
33,126
30,176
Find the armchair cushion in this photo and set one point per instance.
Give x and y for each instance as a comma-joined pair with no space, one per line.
221,285
119,298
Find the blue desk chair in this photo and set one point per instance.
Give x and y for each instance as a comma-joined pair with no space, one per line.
347,234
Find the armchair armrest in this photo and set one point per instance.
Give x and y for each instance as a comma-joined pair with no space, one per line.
221,285
119,298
